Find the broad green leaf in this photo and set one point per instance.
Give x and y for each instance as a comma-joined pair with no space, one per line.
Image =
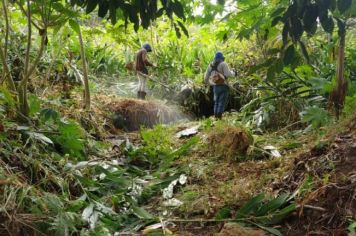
7,97
271,72
276,20
249,207
112,10
70,138
343,5
48,113
221,2
289,55
223,213
341,26
278,65
34,104
185,147
332,5
103,9
324,5
270,230
327,24
296,29
291,11
273,205
87,182
278,11
185,31
351,12
91,5
76,205
316,116
278,216
74,25
179,35
310,17
53,202
178,9
160,12
142,213
304,51
285,32
352,228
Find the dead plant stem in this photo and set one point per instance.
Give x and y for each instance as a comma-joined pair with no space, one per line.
312,207
29,35
85,72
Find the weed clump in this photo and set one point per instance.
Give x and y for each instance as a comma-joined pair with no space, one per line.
230,141
136,113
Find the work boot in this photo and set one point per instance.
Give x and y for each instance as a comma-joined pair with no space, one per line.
218,116
139,94
143,95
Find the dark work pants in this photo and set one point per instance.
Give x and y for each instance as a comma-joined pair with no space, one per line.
221,93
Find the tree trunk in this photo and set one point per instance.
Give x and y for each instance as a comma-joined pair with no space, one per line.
85,72
3,54
29,69
22,89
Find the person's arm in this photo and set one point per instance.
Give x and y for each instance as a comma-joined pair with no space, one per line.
145,60
207,75
226,70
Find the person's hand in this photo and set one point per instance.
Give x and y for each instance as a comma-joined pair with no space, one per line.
235,72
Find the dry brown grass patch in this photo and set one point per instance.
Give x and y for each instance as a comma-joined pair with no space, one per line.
230,142
139,113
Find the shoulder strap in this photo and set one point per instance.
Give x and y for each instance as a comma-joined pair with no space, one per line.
214,66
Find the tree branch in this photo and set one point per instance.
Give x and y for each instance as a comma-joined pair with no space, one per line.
24,12
7,73
29,35
39,55
7,28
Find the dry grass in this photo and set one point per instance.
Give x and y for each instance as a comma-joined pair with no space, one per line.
98,121
230,142
139,113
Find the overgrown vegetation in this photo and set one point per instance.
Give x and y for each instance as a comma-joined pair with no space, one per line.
80,156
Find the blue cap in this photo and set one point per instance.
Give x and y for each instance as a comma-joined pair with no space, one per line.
219,56
147,47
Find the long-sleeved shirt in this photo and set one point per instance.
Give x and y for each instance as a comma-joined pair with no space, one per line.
222,68
142,62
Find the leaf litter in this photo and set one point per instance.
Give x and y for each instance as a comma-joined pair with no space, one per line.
219,187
